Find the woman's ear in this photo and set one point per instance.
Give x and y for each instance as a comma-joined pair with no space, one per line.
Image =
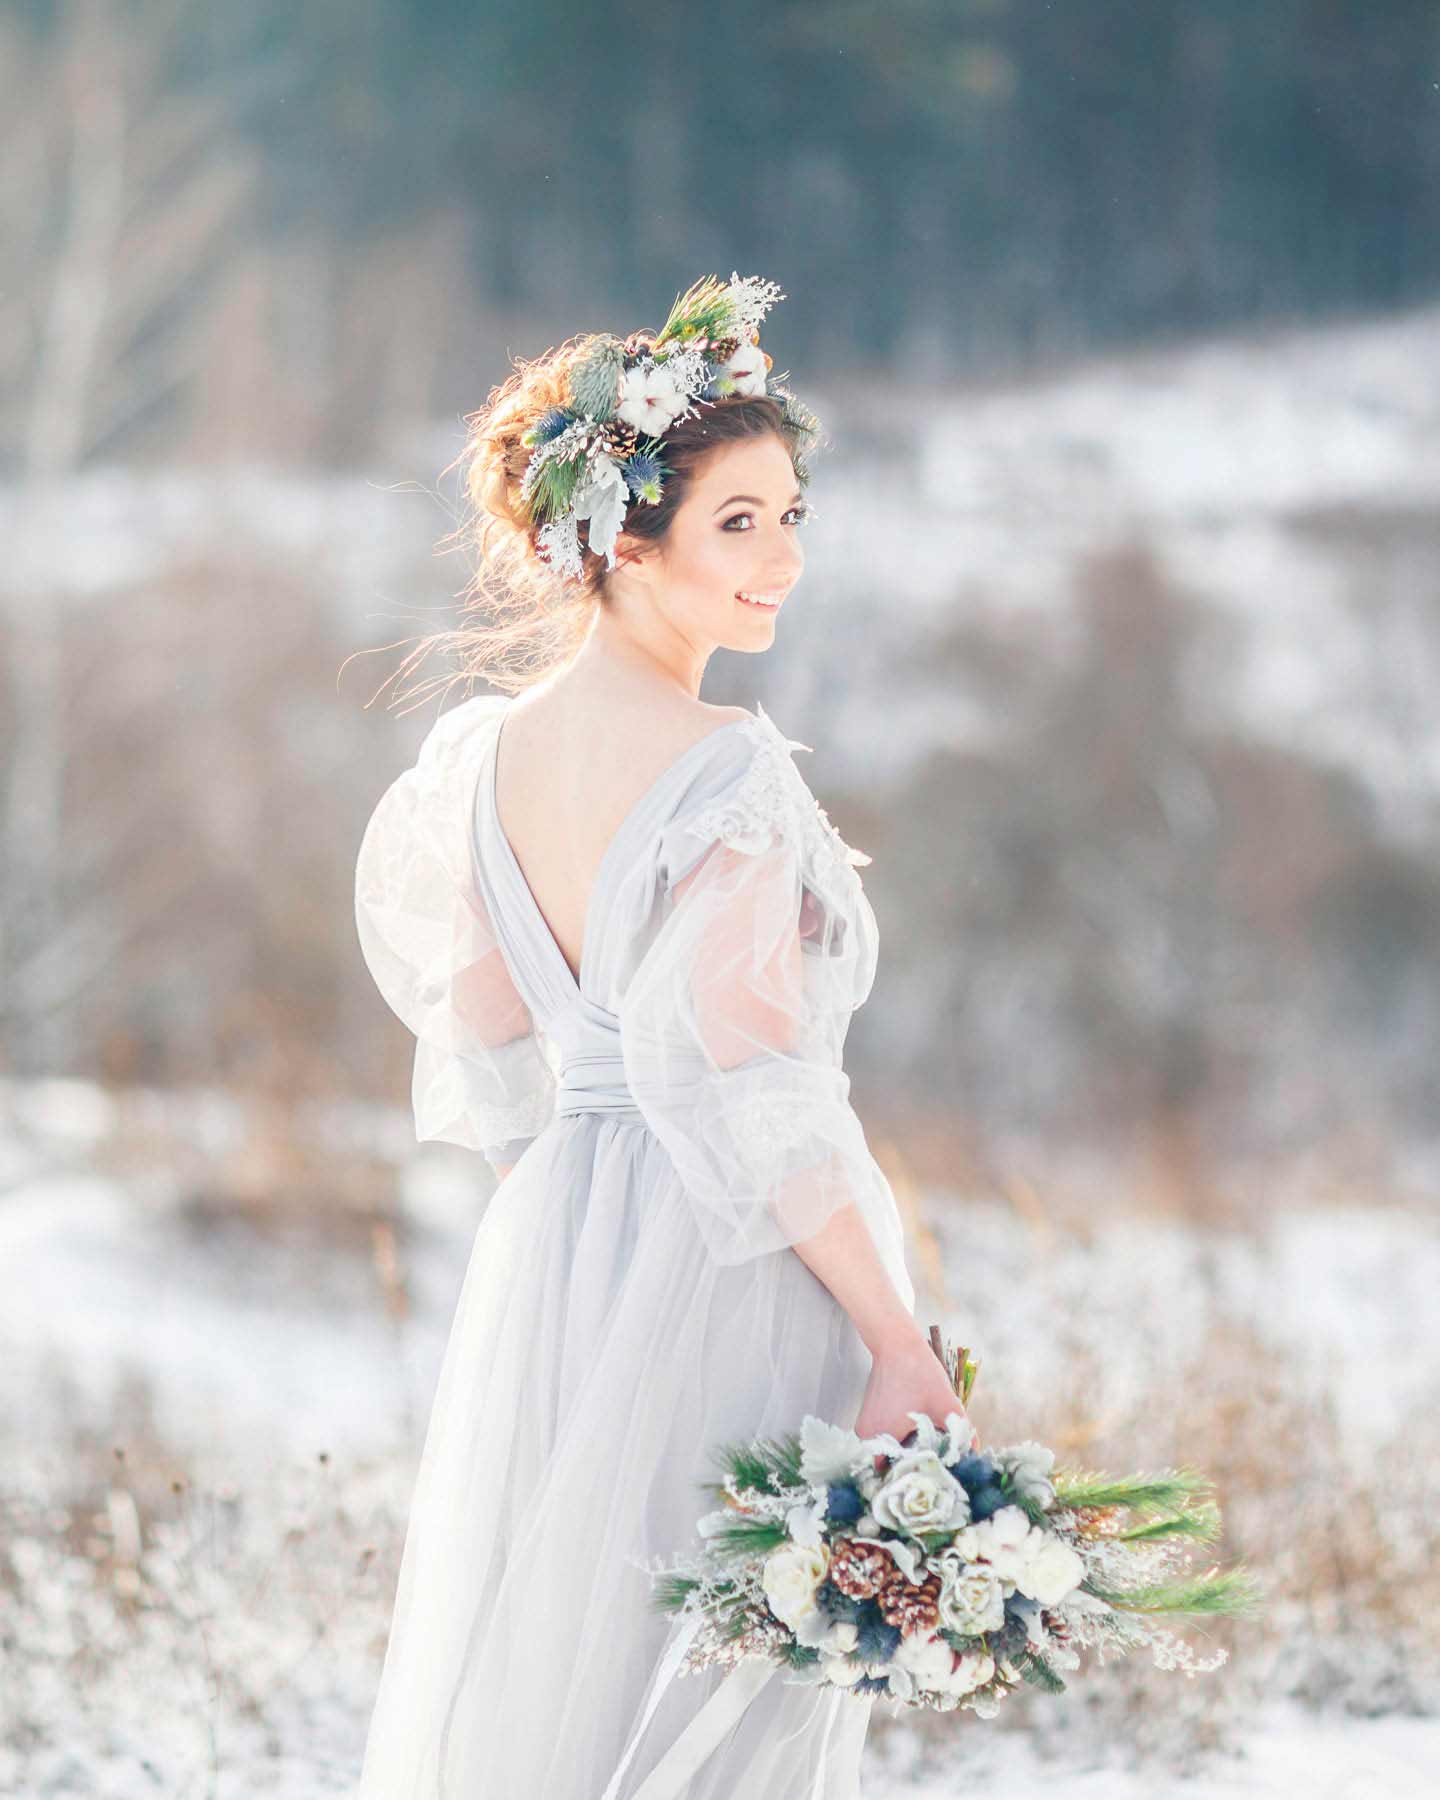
631,550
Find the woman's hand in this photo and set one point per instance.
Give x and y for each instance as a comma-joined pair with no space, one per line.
910,1378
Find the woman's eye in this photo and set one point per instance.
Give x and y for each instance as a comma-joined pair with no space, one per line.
802,512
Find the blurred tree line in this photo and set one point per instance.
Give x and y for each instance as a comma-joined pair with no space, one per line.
954,187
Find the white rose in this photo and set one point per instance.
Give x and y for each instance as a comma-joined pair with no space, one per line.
919,1494
790,1578
971,1597
1052,1572
844,1635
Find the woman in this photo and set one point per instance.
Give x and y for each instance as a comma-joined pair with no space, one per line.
629,943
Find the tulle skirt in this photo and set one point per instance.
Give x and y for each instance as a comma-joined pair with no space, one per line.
597,1356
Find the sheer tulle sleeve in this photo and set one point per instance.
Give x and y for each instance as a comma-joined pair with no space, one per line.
733,1024
481,1078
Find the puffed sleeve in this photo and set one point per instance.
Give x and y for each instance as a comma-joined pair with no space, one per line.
481,1077
733,1023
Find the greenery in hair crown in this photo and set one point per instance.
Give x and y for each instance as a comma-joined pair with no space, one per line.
603,450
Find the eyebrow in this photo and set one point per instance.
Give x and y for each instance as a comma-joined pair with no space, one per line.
754,500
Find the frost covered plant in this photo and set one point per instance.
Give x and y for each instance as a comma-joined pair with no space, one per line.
939,1575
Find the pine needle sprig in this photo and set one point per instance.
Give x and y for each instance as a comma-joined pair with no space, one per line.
748,1537
1225,1593
703,310
1202,1524
1143,1494
1038,1672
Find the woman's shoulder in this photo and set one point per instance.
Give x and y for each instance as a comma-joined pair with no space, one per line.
749,795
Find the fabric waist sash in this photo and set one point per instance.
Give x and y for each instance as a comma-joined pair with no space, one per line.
594,1081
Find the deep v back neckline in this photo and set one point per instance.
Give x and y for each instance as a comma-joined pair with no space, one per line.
576,982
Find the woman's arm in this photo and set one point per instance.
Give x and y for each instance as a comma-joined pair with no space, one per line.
906,1375
842,1254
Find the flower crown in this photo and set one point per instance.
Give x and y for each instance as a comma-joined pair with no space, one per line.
590,458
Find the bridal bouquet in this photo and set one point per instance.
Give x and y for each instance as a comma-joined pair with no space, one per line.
940,1576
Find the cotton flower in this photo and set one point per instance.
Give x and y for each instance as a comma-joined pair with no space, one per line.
842,1671
934,1666
746,370
1004,1541
1051,1573
650,399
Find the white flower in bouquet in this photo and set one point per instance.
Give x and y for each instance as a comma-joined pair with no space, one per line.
1005,1541
972,1599
650,399
1028,1466
842,1671
934,1666
919,1494
1053,1570
790,1579
973,1668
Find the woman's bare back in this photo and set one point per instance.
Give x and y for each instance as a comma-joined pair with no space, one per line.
570,767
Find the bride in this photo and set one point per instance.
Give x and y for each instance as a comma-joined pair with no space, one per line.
628,942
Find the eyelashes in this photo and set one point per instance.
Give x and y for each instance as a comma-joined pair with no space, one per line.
804,513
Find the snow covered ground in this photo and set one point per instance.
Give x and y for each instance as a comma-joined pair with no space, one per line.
208,1428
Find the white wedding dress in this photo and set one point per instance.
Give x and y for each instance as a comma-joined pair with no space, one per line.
677,1119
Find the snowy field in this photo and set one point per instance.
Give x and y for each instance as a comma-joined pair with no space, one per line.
211,1418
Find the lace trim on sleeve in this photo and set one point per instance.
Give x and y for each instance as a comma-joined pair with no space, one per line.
773,799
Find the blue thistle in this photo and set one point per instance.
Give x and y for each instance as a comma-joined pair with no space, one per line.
875,1640
835,1603
644,476
845,1503
974,1471
549,425
872,1684
986,1500
876,1643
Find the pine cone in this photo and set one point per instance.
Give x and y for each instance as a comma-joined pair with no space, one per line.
722,349
618,440
858,1568
910,1607
1097,1521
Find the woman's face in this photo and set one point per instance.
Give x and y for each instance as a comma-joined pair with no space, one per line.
736,532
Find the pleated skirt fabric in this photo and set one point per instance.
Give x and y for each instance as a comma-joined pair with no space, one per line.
597,1357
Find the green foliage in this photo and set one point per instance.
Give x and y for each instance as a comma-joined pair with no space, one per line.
554,487
1226,1593
672,1591
1143,1494
1038,1672
766,1464
703,310
595,382
1200,1523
